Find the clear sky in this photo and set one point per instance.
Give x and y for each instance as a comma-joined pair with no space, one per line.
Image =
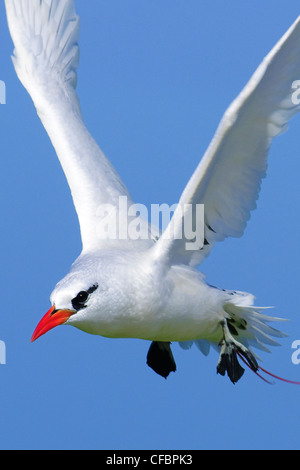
155,77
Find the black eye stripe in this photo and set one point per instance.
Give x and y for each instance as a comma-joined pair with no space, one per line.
79,301
93,288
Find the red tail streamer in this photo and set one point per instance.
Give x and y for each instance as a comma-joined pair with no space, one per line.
266,372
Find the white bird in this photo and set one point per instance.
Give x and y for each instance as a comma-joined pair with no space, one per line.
148,287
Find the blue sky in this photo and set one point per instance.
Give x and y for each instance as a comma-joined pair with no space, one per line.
155,78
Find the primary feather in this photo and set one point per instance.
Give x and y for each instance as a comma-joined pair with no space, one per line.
228,178
46,56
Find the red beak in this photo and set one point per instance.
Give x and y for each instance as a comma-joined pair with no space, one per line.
52,319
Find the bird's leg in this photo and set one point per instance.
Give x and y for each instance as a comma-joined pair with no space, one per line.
228,361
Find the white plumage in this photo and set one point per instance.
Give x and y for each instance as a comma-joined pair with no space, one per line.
148,288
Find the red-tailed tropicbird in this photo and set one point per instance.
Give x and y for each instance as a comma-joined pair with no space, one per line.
148,287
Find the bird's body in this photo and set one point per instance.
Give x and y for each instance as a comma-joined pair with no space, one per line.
147,286
143,299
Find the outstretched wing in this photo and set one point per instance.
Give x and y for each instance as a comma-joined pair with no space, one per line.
228,178
45,35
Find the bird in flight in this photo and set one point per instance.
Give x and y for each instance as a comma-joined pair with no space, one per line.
131,279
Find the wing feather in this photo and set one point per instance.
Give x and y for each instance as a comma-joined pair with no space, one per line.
228,178
45,35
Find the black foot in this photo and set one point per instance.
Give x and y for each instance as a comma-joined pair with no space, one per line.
229,363
160,358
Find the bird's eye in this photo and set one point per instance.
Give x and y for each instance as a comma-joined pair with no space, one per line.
80,299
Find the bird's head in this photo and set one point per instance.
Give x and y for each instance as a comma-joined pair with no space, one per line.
98,292
79,299
59,315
